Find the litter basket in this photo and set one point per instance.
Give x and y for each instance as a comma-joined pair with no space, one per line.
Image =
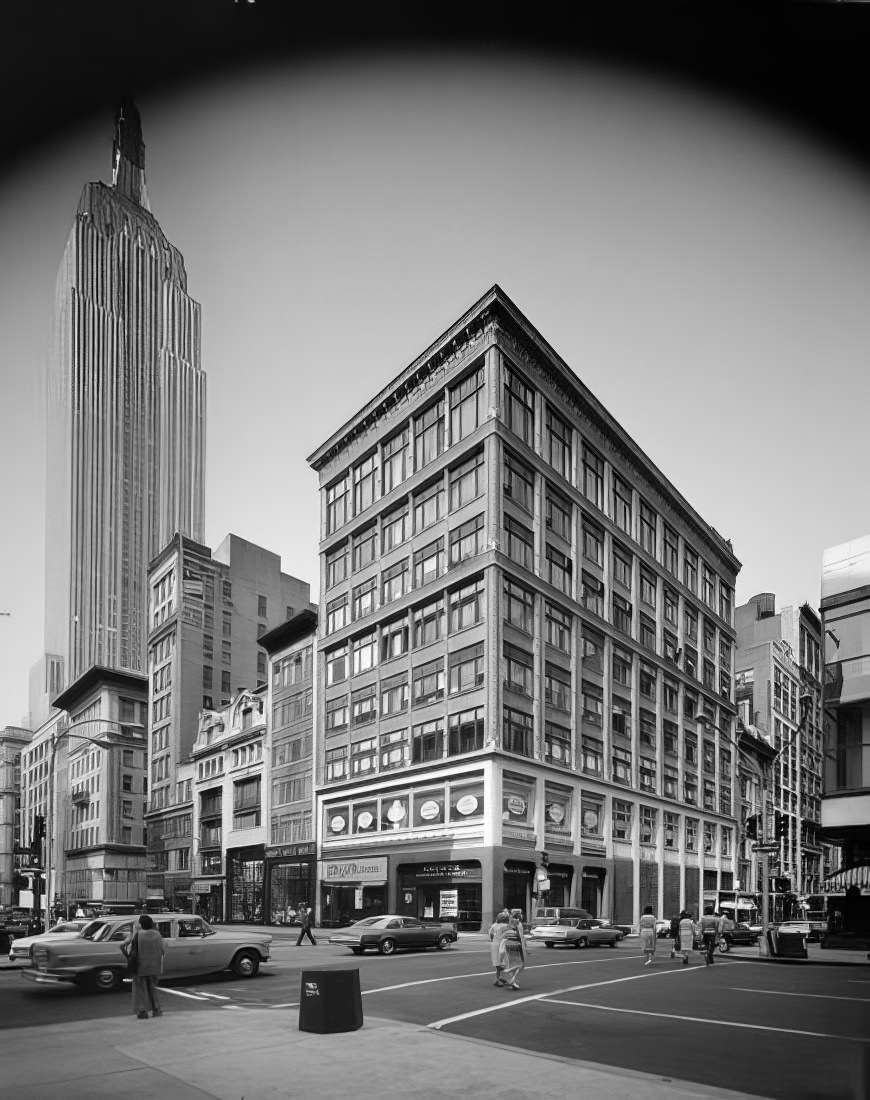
330,1001
791,945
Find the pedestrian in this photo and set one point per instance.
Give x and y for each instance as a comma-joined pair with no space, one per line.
305,921
687,935
648,934
496,934
711,927
675,935
513,950
145,944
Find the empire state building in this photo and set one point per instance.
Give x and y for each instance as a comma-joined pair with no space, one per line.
126,424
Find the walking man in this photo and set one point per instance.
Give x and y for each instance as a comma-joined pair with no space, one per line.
305,920
711,927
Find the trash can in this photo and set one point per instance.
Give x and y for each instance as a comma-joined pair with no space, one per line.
330,1001
791,945
5,940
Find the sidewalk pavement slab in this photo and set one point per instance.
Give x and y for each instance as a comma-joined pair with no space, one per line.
259,1054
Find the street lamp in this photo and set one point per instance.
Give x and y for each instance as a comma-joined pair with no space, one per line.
63,730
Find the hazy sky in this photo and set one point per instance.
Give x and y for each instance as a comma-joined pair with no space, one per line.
703,269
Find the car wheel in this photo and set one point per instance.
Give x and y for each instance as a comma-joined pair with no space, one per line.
357,950
581,941
443,941
547,944
105,980
615,941
387,947
724,946
246,964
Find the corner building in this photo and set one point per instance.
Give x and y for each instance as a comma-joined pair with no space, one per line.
525,647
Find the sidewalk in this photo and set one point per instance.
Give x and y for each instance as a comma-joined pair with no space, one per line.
259,1054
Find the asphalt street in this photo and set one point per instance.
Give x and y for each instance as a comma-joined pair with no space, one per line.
772,1030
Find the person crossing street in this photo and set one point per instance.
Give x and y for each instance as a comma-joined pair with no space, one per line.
305,922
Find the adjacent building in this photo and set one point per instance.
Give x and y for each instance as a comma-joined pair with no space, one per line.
13,861
845,611
290,857
83,775
230,825
525,656
779,697
126,426
208,613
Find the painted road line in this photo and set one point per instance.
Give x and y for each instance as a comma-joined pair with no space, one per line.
701,1020
815,996
485,974
437,1024
179,993
214,996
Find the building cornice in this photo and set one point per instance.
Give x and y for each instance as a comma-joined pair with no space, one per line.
495,320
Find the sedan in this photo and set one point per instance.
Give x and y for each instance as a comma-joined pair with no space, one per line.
802,926
190,944
21,950
574,932
741,935
390,932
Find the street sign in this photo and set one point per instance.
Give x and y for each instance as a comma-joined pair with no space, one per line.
765,848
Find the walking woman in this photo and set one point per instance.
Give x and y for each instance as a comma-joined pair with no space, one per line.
648,934
687,935
513,950
146,944
496,934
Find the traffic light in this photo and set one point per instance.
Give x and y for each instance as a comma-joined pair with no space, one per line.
752,826
37,843
780,825
545,859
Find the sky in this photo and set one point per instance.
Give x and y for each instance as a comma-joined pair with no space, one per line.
700,263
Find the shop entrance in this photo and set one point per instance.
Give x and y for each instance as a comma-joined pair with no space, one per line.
341,905
591,892
517,886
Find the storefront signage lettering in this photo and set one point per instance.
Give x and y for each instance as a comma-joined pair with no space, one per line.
290,850
518,834
466,805
354,870
337,823
556,813
516,805
430,810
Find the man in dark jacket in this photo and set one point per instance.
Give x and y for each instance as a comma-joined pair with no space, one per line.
305,920
711,929
675,935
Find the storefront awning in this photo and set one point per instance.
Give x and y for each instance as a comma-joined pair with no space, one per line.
848,876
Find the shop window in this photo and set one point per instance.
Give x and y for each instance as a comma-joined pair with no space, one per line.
337,820
429,807
394,813
518,808
365,817
466,801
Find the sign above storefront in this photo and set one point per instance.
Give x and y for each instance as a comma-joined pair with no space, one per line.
354,870
279,850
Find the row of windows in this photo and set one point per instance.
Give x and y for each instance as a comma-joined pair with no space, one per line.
410,449
458,609
558,448
457,487
428,563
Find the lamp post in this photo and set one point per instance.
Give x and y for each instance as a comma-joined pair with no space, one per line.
63,730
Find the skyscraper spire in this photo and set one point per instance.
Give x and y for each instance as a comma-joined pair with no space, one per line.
128,154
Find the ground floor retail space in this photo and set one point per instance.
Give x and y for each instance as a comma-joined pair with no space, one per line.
465,887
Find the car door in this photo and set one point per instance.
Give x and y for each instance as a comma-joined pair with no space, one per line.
415,934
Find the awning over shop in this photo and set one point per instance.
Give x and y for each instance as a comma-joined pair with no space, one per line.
848,876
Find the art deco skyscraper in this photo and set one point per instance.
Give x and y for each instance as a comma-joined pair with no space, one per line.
126,423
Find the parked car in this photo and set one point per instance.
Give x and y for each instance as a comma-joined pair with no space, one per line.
576,932
390,932
21,950
663,928
192,947
741,935
549,914
803,926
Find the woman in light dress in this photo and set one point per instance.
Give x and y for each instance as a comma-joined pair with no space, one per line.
496,934
648,934
513,950
687,935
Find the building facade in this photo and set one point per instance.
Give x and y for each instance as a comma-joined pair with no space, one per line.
525,650
14,863
208,612
779,696
83,774
230,824
846,804
290,861
126,426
